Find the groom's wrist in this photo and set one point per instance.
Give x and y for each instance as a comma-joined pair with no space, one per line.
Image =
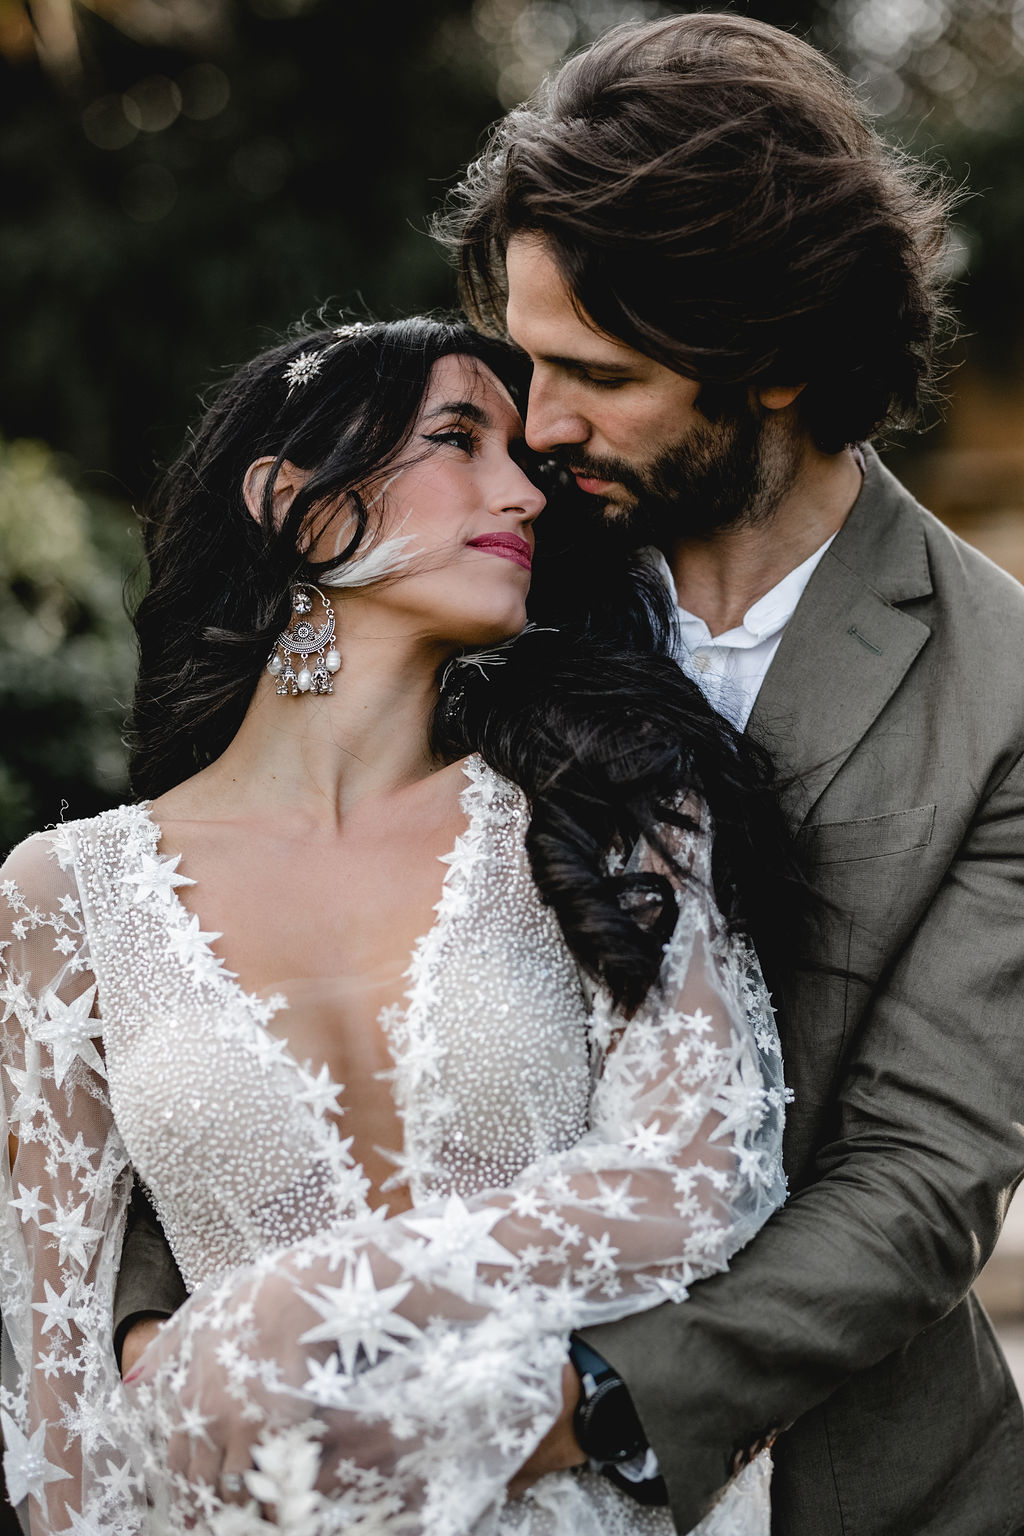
606,1423
609,1431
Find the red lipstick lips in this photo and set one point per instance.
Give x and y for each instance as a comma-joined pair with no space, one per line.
510,546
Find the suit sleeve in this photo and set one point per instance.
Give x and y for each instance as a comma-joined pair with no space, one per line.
905,1202
149,1283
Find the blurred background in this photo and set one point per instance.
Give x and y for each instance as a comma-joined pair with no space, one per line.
183,178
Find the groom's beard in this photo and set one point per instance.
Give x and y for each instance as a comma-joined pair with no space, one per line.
726,474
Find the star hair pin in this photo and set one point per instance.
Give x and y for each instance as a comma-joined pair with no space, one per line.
307,365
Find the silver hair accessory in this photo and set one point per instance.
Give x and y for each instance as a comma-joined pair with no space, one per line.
305,639
308,364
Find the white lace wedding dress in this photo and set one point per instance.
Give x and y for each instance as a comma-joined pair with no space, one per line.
354,1371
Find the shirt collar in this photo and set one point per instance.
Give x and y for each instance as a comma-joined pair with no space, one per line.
763,619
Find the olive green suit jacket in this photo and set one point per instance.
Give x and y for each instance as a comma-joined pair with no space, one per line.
897,699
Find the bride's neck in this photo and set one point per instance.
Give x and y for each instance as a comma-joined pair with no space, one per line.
318,756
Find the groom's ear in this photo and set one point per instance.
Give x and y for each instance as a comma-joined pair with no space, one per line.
289,482
777,396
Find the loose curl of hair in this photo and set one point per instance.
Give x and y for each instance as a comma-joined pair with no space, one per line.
715,197
587,714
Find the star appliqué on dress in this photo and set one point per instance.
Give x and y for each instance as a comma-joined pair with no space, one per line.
156,876
69,1031
189,943
72,1234
359,1316
25,1465
321,1094
459,1241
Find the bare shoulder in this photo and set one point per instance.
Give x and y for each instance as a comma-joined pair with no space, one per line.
29,858
194,799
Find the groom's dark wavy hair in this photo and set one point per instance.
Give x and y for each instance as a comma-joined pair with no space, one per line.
715,196
587,713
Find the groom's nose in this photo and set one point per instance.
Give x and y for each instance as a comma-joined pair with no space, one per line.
551,419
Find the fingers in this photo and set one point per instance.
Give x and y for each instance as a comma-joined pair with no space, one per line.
139,1335
521,1483
746,1454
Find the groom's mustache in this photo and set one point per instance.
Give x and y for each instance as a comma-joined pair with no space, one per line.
574,461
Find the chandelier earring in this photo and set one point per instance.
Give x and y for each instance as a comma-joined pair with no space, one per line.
305,638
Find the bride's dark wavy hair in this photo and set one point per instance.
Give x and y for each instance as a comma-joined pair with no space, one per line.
586,712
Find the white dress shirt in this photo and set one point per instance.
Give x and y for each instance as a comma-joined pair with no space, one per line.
730,668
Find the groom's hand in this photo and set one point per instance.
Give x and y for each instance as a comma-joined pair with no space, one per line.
559,1449
137,1337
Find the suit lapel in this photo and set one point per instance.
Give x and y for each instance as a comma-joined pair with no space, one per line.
848,646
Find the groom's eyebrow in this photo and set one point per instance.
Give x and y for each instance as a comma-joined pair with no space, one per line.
591,364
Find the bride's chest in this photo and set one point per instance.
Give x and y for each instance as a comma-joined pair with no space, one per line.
227,1099
348,907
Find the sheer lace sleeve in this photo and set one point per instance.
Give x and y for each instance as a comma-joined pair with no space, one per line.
411,1364
66,1186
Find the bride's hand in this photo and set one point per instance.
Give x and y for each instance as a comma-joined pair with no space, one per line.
248,1363
220,1408
218,1458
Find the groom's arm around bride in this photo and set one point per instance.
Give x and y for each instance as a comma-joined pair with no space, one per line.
725,279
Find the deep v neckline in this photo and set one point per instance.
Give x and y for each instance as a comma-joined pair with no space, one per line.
261,1009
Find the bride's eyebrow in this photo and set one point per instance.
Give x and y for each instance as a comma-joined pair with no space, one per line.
464,408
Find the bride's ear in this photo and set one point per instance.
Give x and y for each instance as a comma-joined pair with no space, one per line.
289,482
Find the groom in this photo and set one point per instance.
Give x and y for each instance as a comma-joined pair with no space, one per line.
727,286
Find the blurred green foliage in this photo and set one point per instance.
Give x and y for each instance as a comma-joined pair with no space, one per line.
295,162
67,642
946,78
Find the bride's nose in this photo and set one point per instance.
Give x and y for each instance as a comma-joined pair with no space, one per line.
514,491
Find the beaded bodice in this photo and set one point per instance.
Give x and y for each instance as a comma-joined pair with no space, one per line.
566,1166
241,1145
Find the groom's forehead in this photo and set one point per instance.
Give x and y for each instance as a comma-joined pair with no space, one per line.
542,317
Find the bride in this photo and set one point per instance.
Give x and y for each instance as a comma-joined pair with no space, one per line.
416,993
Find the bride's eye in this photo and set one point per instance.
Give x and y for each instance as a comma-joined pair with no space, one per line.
457,436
